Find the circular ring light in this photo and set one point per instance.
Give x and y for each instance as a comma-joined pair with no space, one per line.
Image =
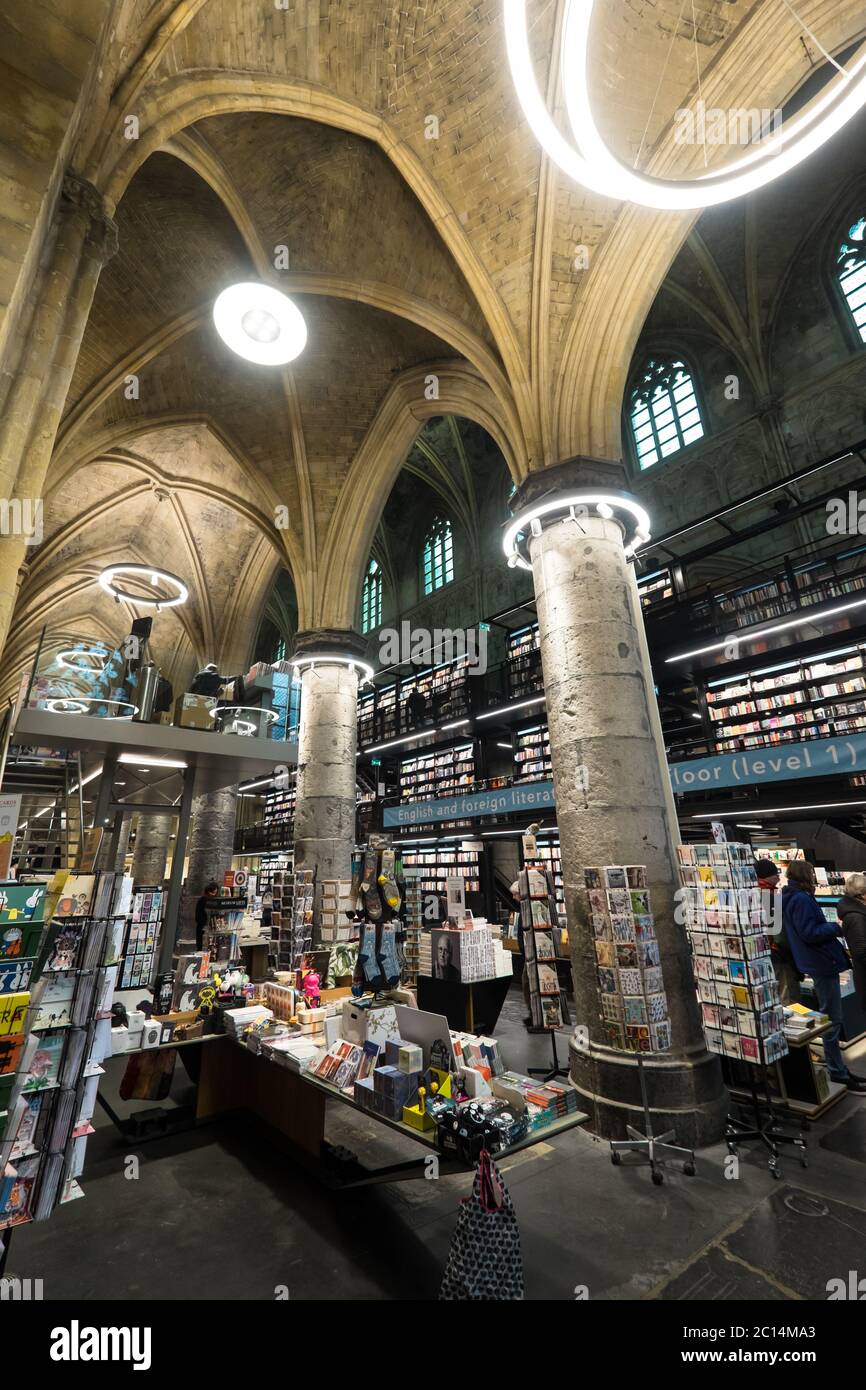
260,323
302,663
592,163
243,727
632,517
91,655
74,705
156,576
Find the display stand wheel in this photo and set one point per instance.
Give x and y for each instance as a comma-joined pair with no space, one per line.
615,1158
657,1177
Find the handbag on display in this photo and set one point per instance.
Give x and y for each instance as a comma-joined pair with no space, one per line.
485,1261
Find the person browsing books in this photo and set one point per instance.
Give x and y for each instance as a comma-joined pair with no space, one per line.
788,976
851,911
818,952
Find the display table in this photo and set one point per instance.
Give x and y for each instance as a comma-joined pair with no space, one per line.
469,1008
233,1079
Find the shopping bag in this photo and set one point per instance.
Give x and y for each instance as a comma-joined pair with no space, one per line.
485,1262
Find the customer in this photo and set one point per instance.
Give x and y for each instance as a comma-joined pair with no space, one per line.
818,952
208,681
787,974
851,912
211,891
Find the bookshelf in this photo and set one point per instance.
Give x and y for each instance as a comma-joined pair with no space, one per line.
532,753
813,697
279,816
548,854
655,588
429,867
437,774
523,653
367,717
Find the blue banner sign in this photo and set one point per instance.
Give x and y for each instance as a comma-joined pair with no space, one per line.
783,763
526,796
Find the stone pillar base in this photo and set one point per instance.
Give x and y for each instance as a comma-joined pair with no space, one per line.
685,1093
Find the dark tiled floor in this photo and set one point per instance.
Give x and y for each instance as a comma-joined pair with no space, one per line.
221,1213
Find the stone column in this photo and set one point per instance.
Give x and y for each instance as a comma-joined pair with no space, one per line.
81,239
613,799
210,847
152,839
327,740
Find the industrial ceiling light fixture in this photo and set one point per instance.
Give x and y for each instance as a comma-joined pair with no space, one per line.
593,165
621,506
146,575
260,323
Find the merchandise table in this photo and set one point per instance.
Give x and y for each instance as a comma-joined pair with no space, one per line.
234,1079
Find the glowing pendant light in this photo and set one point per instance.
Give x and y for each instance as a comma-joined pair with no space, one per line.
592,163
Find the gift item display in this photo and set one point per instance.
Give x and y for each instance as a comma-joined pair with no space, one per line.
337,906
55,1034
379,874
728,920
634,1006
141,944
225,914
468,951
540,926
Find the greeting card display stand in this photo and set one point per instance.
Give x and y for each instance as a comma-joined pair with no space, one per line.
634,1006
727,919
764,1128
548,1001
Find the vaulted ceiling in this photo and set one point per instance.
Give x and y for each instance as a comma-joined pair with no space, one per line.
430,245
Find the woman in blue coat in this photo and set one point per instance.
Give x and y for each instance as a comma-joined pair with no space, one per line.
818,952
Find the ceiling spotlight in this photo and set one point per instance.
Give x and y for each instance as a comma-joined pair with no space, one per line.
260,323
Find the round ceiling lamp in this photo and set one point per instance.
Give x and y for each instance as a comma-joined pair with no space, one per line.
592,163
144,580
85,703
85,659
617,506
260,323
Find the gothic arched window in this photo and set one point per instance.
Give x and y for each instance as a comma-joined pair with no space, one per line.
438,555
851,269
664,411
371,597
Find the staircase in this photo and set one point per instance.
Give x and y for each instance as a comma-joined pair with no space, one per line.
51,819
